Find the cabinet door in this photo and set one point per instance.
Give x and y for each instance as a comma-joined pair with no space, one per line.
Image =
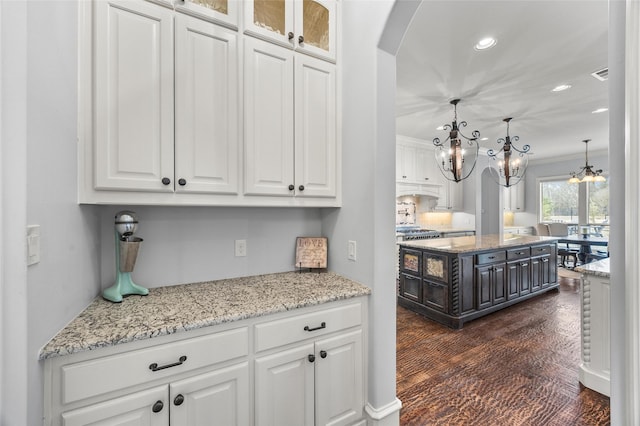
206,123
339,380
315,128
284,388
315,27
426,167
224,12
271,20
518,281
220,397
491,284
405,163
499,283
268,126
455,199
483,282
411,287
145,408
133,81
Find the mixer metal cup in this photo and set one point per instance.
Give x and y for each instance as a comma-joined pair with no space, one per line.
129,253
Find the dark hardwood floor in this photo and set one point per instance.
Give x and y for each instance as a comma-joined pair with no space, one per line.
518,366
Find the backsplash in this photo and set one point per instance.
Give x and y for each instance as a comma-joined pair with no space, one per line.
430,219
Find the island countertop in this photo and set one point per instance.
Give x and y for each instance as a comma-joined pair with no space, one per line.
173,309
476,243
601,268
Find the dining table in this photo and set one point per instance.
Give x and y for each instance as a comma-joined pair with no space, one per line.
585,242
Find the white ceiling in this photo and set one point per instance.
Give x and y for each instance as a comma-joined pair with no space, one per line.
541,44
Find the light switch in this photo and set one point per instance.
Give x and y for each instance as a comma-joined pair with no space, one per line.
33,244
351,255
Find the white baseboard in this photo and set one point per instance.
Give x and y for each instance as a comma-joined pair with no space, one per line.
389,415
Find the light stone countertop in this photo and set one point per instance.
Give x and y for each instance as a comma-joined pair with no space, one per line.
601,268
174,309
477,243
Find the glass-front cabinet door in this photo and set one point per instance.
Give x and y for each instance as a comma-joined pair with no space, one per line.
316,23
223,12
304,25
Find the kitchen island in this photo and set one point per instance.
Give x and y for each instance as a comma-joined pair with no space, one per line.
455,280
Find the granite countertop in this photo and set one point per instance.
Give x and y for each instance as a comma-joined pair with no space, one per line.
168,310
477,243
601,268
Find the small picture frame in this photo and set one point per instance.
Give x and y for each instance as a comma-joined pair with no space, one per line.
311,252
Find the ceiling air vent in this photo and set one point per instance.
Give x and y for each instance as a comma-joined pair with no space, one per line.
602,75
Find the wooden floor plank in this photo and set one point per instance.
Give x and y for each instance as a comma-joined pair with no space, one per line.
518,366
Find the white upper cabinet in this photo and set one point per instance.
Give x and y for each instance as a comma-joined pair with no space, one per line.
307,26
206,115
315,128
513,197
405,163
133,96
268,133
176,107
224,12
290,123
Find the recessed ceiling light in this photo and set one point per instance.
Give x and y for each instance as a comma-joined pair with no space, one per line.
561,87
484,139
440,128
599,110
485,43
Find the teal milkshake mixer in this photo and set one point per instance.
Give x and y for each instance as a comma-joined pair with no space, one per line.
126,224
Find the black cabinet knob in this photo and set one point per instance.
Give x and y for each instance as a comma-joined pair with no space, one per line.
178,400
290,35
182,182
166,181
157,407
300,39
301,187
291,187
323,354
312,357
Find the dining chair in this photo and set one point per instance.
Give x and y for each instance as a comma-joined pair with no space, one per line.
542,229
562,230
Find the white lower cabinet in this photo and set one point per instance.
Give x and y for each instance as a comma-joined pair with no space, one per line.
318,383
302,367
219,397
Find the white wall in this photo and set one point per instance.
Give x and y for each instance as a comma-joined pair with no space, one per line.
193,244
66,279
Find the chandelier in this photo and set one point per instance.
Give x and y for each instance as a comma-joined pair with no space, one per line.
508,165
450,157
586,173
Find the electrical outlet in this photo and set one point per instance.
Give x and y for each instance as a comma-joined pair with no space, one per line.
33,244
241,248
351,252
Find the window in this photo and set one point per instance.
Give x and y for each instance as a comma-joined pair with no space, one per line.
561,201
558,201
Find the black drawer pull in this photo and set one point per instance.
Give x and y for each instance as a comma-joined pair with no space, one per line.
491,257
323,354
519,253
154,366
312,357
323,325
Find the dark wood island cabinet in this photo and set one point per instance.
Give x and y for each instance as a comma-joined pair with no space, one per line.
455,280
